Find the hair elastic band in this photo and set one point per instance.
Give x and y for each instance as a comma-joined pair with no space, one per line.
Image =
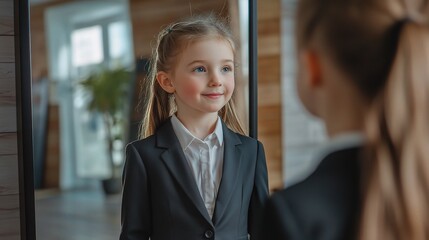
394,35
397,28
400,23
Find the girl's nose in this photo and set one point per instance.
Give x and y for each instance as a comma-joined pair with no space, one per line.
215,80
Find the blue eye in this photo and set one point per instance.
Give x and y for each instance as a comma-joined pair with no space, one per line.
199,69
227,69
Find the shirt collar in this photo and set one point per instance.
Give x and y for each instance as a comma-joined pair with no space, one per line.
218,132
186,137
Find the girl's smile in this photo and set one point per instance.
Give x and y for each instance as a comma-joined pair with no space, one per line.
212,95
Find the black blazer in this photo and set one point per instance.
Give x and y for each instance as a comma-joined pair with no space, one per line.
161,199
324,206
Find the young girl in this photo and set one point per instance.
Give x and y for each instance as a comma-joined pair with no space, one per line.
364,68
194,175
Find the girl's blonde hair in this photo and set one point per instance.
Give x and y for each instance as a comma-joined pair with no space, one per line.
383,47
159,105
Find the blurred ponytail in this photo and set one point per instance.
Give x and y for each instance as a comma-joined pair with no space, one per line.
387,59
395,203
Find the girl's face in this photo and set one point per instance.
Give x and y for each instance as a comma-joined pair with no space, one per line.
202,78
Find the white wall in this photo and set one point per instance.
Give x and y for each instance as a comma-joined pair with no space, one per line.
302,134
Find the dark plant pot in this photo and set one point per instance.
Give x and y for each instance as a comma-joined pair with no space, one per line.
112,185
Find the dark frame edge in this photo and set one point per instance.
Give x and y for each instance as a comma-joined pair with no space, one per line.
24,119
253,69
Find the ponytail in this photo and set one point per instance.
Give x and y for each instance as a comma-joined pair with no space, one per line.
159,105
395,203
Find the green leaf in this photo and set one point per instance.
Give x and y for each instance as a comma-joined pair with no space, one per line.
108,89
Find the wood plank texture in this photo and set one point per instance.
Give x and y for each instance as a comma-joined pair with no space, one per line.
7,49
9,179
270,94
52,164
7,118
7,77
6,17
269,45
269,9
269,87
39,58
7,97
152,15
270,72
9,217
9,184
9,197
7,83
9,144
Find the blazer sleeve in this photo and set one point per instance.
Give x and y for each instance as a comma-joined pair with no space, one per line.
259,193
136,209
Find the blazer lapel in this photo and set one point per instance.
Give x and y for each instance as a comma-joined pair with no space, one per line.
176,163
230,172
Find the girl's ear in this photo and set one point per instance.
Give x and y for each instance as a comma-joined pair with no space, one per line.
309,81
313,66
165,82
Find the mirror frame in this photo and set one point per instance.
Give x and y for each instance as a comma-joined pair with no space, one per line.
24,119
253,69
24,107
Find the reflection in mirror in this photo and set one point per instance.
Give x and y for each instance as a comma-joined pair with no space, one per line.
78,142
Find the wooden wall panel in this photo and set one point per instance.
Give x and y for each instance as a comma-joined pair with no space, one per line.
39,58
52,164
269,87
7,50
9,184
7,97
9,214
7,118
7,81
8,144
270,94
269,9
6,17
268,64
149,16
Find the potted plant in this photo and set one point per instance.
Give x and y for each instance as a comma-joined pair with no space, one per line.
109,89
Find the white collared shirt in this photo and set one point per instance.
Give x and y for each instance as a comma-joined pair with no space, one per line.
205,158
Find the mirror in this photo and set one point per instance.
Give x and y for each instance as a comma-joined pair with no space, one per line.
73,40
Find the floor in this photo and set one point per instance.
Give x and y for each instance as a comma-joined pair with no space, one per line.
77,215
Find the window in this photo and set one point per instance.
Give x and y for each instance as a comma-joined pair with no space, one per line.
87,46
118,40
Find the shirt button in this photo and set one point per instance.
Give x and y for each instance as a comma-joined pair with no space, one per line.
208,234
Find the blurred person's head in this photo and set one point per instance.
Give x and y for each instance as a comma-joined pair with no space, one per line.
364,65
